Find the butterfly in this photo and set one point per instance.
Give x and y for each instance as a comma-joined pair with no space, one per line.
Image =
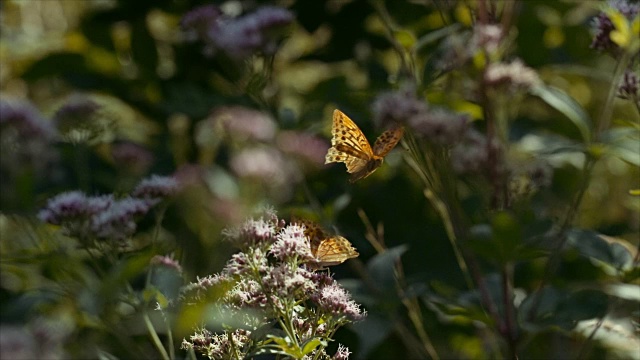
328,250
350,146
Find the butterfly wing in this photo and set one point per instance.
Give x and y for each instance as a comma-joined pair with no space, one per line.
335,250
387,141
348,144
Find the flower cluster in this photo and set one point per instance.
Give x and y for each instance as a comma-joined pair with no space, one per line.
270,277
437,125
515,75
238,37
79,121
131,157
104,217
26,140
629,86
602,25
471,154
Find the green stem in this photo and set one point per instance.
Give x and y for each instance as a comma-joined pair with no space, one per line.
154,336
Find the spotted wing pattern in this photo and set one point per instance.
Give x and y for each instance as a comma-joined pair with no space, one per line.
328,250
387,141
350,146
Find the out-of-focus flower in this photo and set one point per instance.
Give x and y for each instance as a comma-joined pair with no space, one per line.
79,121
243,123
263,163
440,126
617,26
629,86
118,221
307,146
166,261
252,232
238,37
73,211
486,37
515,75
390,108
26,145
99,217
156,188
132,157
470,155
196,23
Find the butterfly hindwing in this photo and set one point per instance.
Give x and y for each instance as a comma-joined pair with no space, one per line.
387,141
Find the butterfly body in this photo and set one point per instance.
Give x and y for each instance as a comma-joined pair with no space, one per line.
328,250
350,146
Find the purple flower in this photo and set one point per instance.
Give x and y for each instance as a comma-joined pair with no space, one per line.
470,155
389,108
78,121
335,300
263,163
238,37
228,345
26,140
602,25
197,22
243,123
342,353
117,222
629,86
252,232
74,211
132,157
309,147
440,126
287,281
246,263
251,33
292,243
25,119
156,188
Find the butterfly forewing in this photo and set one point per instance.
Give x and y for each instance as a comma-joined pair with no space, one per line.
387,141
350,146
344,131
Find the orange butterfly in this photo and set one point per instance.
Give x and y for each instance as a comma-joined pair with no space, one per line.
350,146
328,250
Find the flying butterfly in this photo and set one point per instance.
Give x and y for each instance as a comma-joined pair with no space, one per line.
350,146
328,250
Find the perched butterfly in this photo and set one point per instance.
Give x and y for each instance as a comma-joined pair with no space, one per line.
350,146
328,250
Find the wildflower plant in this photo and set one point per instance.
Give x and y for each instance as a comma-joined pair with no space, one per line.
274,302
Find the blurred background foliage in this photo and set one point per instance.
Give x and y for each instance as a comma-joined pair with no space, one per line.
248,133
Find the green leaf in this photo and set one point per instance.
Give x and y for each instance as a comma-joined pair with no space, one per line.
312,344
590,244
561,101
382,267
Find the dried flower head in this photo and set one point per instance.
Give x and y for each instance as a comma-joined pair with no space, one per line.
390,108
440,126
